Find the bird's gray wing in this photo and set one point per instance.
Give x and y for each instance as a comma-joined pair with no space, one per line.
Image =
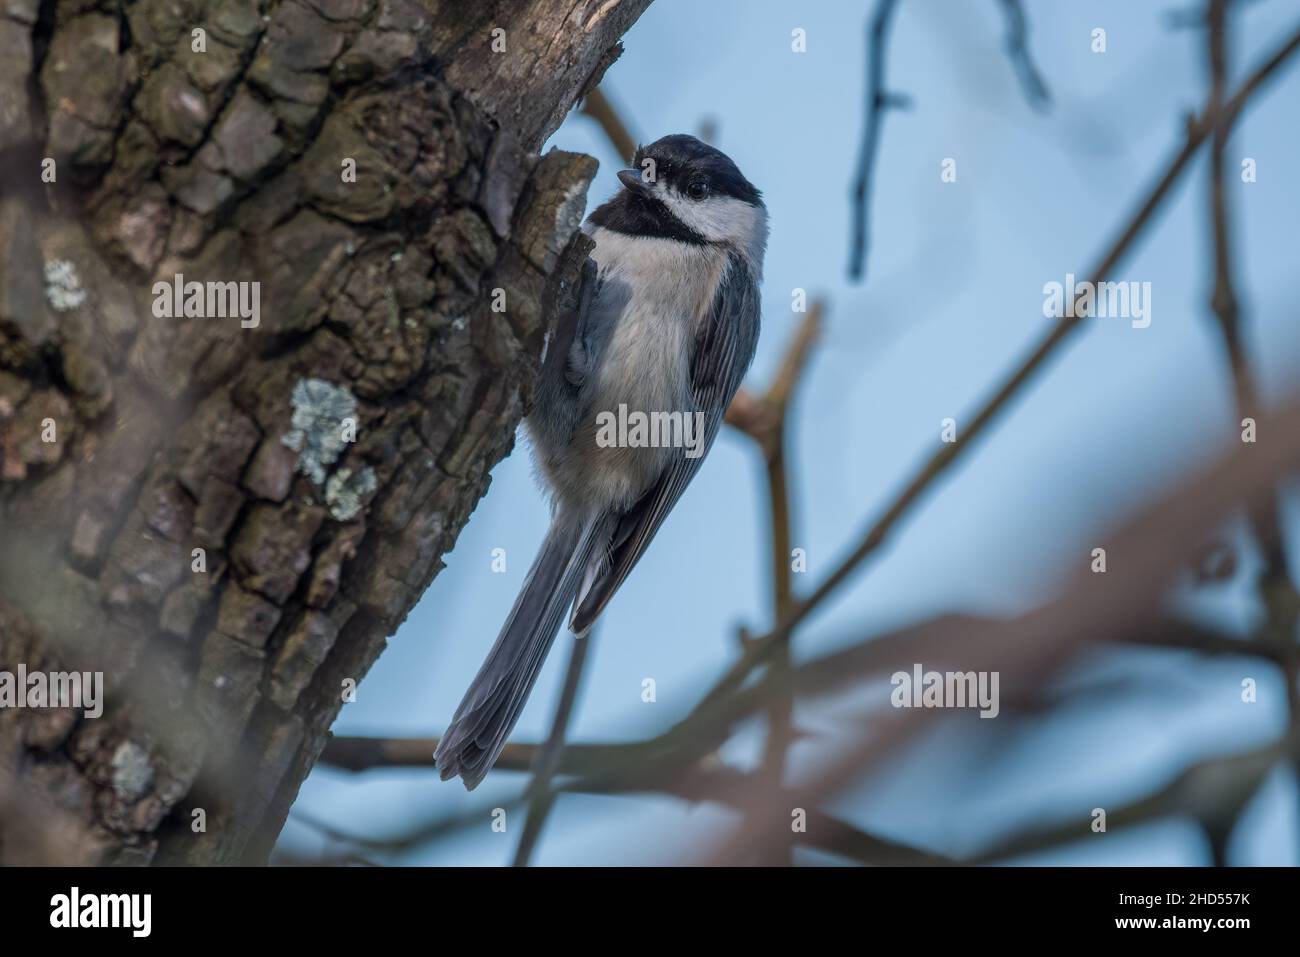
723,349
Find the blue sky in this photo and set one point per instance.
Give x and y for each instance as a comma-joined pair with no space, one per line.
952,301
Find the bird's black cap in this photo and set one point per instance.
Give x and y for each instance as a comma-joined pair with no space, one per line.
680,159
679,162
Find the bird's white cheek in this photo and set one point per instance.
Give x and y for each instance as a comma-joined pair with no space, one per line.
718,218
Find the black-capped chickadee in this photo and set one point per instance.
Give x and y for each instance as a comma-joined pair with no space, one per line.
669,325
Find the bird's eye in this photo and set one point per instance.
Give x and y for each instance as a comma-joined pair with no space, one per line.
697,190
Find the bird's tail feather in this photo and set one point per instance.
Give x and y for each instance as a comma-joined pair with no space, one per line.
495,698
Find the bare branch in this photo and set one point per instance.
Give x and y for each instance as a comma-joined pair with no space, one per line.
358,754
877,101
540,796
1031,81
763,419
708,781
1265,518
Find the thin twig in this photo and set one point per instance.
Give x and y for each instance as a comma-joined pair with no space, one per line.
540,796
764,419
1031,81
876,102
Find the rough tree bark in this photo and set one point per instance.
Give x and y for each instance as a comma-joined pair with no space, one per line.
212,139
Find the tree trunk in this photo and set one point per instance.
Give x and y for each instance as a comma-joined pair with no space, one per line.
227,514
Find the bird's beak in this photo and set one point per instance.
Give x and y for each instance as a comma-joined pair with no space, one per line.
632,180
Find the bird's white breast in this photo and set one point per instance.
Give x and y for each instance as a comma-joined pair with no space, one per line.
654,294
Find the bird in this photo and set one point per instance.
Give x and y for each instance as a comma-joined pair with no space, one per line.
667,322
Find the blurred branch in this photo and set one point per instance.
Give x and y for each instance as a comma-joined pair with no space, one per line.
820,675
670,767
1182,635
710,780
1217,562
1025,651
1278,593
1020,646
540,796
598,107
423,834
1213,792
358,754
958,641
823,831
877,101
1275,583
763,418
1018,52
